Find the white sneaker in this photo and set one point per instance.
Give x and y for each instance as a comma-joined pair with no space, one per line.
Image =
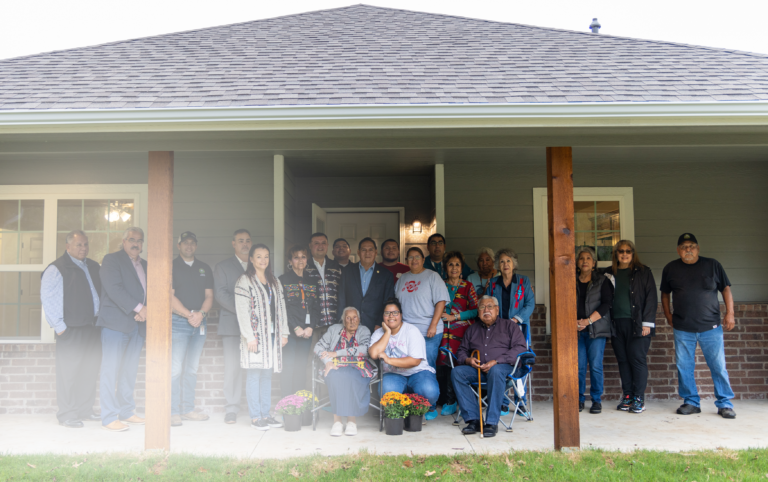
351,429
337,429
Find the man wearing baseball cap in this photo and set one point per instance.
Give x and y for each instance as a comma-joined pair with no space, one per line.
695,281
192,299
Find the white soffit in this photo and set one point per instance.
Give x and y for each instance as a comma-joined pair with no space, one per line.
388,116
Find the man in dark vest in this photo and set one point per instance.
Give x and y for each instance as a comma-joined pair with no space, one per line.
70,296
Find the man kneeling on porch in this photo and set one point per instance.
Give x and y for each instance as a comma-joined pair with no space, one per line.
499,342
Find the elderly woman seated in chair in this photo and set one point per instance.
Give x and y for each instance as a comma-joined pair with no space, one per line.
348,371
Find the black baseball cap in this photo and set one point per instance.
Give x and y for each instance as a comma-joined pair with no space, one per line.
187,235
686,237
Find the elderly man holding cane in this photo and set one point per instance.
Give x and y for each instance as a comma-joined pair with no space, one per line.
499,342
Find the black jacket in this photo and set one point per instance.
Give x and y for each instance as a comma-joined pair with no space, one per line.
371,306
296,309
642,296
602,328
121,291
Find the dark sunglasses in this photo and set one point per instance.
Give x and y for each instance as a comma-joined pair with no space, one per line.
624,251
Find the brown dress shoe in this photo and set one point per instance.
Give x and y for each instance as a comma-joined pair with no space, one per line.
134,420
176,421
195,416
116,426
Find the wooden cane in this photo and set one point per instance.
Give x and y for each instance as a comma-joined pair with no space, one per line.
479,390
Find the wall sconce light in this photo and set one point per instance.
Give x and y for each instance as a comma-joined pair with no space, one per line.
416,226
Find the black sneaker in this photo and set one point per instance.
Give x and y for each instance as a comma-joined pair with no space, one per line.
260,424
638,405
273,423
490,430
726,412
473,426
687,409
581,406
625,403
596,407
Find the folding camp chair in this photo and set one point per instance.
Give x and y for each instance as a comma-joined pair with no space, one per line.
519,389
318,379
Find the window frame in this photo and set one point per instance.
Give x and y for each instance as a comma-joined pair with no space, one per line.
625,197
51,194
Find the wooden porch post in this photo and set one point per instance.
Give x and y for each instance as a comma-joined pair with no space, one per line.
157,433
562,289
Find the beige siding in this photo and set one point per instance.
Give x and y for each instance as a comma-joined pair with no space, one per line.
214,193
724,204
217,193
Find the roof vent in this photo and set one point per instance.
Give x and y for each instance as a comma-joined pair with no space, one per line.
595,26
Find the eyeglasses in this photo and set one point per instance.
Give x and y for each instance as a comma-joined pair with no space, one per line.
486,307
688,247
437,243
391,313
413,258
624,251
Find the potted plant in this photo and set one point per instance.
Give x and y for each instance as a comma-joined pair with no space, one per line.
306,415
291,408
416,411
395,407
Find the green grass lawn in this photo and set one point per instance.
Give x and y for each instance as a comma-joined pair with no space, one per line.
726,465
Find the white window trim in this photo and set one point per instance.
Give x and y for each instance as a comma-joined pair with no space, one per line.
625,197
51,193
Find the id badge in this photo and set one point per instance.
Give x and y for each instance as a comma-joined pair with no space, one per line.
307,319
202,329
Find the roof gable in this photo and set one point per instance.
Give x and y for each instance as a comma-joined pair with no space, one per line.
371,55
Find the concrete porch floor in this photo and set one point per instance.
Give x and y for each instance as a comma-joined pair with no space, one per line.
659,428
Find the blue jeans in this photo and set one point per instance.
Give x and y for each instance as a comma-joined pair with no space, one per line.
496,387
711,343
187,348
591,351
258,391
120,354
433,348
423,383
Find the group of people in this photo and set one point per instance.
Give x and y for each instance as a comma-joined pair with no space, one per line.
421,321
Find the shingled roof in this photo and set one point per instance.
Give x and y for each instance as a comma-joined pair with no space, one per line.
371,55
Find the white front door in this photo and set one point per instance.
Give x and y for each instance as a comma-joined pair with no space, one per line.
355,226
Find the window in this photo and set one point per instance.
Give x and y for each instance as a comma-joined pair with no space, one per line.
34,222
597,225
602,216
103,220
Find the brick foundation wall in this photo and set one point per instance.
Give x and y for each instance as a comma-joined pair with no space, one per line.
28,375
746,355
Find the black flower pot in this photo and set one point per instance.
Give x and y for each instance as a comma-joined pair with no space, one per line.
394,426
413,423
292,423
306,418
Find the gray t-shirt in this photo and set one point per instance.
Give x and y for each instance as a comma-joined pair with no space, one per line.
419,293
407,342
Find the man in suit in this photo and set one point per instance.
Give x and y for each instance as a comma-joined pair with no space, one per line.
122,319
367,286
69,292
225,275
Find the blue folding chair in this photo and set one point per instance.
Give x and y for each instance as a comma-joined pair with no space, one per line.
519,389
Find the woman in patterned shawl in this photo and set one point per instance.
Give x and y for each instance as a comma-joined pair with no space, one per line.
459,314
263,333
348,370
